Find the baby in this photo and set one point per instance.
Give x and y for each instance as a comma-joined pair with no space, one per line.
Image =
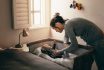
47,52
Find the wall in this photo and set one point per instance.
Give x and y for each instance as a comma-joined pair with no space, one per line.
9,36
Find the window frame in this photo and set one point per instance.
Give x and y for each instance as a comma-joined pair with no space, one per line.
45,18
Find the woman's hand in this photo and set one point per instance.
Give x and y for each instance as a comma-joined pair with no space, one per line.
56,54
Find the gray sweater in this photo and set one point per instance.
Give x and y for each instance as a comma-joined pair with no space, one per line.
83,28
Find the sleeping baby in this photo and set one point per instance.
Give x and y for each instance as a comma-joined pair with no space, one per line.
47,52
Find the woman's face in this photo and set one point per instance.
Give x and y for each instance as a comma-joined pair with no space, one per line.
58,27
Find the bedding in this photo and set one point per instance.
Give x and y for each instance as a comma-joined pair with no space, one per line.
12,59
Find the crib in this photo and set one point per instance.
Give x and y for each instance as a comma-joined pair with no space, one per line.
83,60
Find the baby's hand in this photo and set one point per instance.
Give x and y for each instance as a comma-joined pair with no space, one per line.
65,45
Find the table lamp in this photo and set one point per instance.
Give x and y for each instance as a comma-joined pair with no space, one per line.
24,33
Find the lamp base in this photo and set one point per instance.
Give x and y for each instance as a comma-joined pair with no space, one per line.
18,46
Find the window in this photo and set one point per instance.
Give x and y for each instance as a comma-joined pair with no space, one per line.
31,13
39,12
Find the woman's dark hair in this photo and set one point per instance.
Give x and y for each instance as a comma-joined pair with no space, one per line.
57,18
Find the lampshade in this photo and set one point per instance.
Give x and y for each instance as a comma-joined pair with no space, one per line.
25,33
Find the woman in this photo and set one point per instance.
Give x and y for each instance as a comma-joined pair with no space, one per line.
86,30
